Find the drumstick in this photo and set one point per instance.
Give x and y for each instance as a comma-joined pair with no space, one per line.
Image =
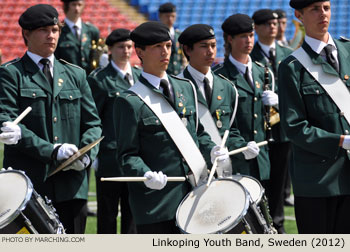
140,179
22,115
245,148
213,168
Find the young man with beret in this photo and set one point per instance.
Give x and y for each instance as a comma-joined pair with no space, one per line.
63,117
314,109
158,134
106,85
215,92
76,37
270,53
167,15
248,78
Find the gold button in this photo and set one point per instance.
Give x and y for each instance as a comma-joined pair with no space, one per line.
255,116
255,98
56,138
255,132
59,84
348,151
157,121
346,77
34,94
317,91
341,113
346,132
117,93
70,97
55,119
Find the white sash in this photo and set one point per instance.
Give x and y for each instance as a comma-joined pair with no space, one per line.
175,127
333,85
208,123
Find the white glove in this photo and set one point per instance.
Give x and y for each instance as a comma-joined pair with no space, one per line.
65,151
252,152
220,153
155,180
269,98
79,165
11,133
94,164
224,166
346,143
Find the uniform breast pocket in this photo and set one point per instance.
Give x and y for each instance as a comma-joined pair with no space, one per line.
70,103
152,124
223,113
35,98
317,100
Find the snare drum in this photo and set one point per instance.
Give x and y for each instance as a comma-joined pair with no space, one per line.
257,194
22,209
220,208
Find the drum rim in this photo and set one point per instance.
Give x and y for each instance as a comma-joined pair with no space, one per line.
25,201
262,191
236,221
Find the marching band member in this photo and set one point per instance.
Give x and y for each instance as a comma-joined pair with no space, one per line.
63,117
314,109
248,78
270,53
106,85
76,36
216,94
167,15
158,135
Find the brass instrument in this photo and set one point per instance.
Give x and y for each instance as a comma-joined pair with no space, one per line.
299,35
97,49
267,114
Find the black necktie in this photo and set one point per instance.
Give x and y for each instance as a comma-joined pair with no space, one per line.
127,78
330,58
247,77
76,28
207,90
272,58
167,90
46,70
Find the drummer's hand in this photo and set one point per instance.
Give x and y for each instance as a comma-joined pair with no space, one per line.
252,152
79,165
220,153
66,151
155,180
11,133
346,143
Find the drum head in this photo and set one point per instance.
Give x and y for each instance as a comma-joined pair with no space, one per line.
213,209
15,191
252,185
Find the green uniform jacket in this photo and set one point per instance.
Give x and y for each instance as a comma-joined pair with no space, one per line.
222,107
66,114
144,145
282,52
106,85
313,123
176,58
249,118
74,51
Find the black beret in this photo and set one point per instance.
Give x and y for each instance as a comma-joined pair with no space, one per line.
195,33
263,15
117,35
299,4
150,33
38,16
166,8
281,13
237,24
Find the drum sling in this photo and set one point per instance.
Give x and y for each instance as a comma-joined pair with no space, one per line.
332,84
174,126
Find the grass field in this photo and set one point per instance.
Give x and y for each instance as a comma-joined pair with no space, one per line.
91,227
